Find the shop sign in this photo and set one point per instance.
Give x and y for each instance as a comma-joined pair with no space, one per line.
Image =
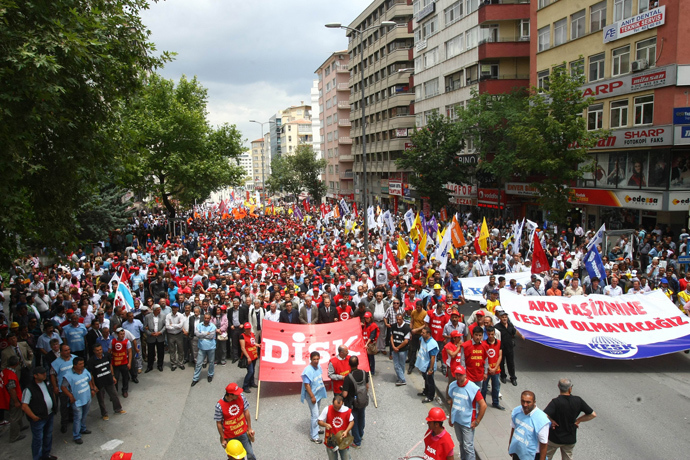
650,19
678,201
681,116
490,196
519,188
681,135
465,201
632,83
468,159
395,188
462,190
651,136
632,199
401,132
408,146
408,200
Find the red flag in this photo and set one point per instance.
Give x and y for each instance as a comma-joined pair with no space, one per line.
540,263
323,211
124,276
477,248
306,205
354,209
415,257
391,265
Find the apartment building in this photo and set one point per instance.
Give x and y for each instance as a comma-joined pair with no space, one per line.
378,54
637,71
315,119
246,162
334,108
461,46
258,154
277,121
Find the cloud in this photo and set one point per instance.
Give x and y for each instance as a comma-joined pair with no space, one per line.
255,57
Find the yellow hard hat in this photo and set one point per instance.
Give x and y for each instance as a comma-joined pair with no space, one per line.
235,449
14,324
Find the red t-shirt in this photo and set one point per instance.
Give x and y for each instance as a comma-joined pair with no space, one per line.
438,447
475,359
436,323
493,352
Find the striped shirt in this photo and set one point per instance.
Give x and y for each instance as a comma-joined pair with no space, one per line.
218,414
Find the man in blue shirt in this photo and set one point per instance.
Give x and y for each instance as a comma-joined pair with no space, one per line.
75,334
206,333
134,327
426,363
313,391
79,387
457,290
529,434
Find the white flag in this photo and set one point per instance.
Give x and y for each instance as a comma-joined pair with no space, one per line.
409,219
598,237
388,220
517,236
371,217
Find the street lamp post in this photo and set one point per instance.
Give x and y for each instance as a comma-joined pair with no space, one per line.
263,179
337,25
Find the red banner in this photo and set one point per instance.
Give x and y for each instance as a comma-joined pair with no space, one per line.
285,348
540,263
389,261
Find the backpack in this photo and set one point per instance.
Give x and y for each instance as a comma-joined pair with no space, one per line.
361,396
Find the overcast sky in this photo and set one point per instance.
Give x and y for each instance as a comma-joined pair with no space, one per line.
255,57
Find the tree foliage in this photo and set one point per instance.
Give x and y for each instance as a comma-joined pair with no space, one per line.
176,155
294,173
103,212
434,158
552,140
65,67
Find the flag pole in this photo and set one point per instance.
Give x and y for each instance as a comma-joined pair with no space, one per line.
373,390
258,394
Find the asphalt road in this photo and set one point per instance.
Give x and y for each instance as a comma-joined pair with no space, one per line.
166,419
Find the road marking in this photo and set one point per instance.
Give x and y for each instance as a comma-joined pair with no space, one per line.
112,444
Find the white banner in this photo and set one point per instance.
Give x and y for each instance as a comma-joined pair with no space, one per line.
474,285
624,327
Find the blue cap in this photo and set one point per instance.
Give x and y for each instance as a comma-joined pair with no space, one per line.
664,280
175,304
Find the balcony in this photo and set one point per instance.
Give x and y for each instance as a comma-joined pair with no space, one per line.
346,158
502,84
344,123
503,10
347,175
511,47
343,87
343,104
345,140
342,69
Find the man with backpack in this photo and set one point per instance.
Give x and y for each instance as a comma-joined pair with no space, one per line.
355,392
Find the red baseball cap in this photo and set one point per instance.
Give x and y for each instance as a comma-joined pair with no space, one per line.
367,314
247,325
233,389
458,370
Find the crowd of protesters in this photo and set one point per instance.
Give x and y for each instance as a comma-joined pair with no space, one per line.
202,294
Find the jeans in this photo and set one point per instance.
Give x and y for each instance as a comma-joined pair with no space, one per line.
333,454
204,354
465,437
399,358
112,393
244,439
495,388
315,412
249,378
429,384
42,437
358,428
79,424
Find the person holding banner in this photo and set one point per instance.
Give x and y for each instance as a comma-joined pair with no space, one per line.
370,334
338,369
248,348
313,391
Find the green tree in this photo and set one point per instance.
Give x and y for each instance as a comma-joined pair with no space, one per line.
552,140
283,177
103,212
487,120
176,155
64,66
434,158
309,170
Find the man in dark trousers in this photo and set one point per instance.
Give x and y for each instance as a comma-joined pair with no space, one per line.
508,333
40,405
349,391
564,413
328,313
101,367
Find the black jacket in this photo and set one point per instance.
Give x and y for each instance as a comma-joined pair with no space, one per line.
327,315
37,404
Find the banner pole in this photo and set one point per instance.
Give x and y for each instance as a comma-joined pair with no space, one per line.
373,391
258,394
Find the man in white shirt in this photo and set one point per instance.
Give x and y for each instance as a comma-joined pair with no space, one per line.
613,289
173,326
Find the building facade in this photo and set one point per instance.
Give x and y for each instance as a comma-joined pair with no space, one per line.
315,120
246,162
378,54
637,71
258,163
334,107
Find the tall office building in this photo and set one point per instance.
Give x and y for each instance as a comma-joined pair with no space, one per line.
336,144
378,54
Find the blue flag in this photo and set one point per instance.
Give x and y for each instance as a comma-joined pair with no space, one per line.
594,265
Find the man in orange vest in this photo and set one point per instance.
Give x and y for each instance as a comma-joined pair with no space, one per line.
338,368
338,421
11,397
233,419
121,350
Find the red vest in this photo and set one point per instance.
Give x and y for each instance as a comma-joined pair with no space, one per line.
6,376
234,423
344,313
341,367
118,351
370,331
337,420
250,346
475,358
436,323
452,363
438,449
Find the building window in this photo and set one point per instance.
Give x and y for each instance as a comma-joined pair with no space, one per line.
619,114
622,9
560,32
644,110
543,3
577,68
597,16
646,49
431,58
643,5
595,115
596,67
429,28
621,61
577,25
454,46
524,29
471,37
544,38
472,6
543,80
418,92
453,12
431,88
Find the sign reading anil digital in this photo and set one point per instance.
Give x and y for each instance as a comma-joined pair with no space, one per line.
655,17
